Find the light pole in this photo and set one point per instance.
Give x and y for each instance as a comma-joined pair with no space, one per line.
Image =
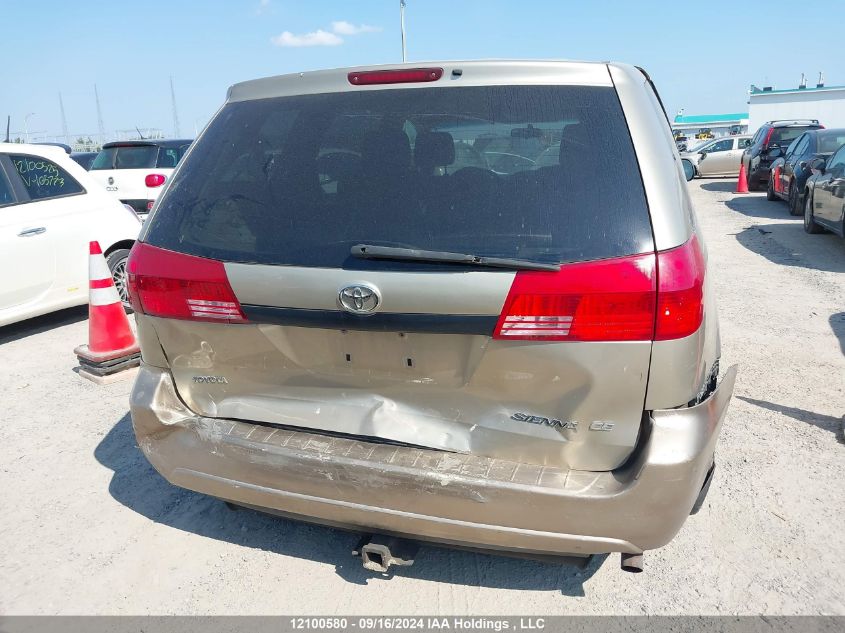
402,27
26,125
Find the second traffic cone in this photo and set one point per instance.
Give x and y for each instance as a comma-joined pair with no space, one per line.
775,178
112,347
742,183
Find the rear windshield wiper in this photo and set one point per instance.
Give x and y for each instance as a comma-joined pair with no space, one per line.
371,251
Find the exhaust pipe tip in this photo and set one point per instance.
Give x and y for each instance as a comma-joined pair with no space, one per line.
632,563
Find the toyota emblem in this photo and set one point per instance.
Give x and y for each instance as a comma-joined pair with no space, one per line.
359,299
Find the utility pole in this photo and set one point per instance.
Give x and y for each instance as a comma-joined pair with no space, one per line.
99,117
402,27
64,120
175,114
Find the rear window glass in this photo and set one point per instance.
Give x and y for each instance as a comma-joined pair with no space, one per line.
126,157
830,142
785,135
541,173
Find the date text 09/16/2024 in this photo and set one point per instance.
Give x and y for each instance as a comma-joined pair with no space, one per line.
365,623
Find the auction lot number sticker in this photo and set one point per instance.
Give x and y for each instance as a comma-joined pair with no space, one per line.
417,624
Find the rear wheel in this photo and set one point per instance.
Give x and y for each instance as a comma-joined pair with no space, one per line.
794,202
809,222
117,267
770,191
753,183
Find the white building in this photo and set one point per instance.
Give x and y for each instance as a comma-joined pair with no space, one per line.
825,103
718,124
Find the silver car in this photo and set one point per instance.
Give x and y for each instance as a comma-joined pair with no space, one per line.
718,157
464,303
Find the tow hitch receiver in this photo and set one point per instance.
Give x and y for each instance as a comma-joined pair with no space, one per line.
379,552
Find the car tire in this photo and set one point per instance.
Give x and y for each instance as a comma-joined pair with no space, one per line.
770,191
116,262
810,225
795,207
753,183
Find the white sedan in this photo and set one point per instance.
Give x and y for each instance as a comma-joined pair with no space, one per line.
50,208
718,157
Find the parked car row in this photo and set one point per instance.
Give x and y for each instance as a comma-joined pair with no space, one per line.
810,177
799,161
50,208
134,171
768,144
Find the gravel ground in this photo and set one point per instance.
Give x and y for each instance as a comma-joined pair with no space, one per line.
88,527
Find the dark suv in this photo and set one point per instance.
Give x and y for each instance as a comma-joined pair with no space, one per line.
770,142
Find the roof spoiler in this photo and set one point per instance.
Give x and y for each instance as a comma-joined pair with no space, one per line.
797,121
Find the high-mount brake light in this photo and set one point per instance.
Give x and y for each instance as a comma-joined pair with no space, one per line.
398,76
636,298
154,180
176,286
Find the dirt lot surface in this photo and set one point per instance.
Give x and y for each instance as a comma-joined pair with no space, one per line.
87,526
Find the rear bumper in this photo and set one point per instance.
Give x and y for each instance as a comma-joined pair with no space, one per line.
436,496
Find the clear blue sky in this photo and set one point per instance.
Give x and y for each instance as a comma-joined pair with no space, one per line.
702,55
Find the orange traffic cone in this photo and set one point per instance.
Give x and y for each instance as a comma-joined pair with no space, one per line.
112,347
742,183
776,178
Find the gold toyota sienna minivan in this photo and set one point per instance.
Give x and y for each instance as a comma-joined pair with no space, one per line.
457,302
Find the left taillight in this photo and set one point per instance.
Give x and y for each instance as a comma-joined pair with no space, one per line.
177,286
154,180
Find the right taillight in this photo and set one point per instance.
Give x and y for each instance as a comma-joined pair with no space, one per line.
607,300
637,298
178,286
154,180
680,291
768,137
